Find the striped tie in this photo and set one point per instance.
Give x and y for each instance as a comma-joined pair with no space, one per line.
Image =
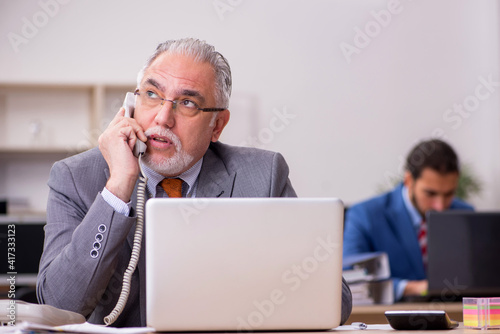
422,241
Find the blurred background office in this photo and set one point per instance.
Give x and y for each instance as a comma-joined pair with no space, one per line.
342,88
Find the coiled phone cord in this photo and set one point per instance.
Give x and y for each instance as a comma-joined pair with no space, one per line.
136,249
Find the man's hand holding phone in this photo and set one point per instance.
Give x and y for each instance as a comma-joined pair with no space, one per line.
117,144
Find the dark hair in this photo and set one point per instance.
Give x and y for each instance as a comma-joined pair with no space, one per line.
434,154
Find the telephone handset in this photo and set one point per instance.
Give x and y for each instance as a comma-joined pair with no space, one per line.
139,150
129,105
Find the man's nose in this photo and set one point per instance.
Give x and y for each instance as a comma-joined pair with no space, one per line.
165,115
439,203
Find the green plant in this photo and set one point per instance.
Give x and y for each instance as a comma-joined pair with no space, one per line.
468,183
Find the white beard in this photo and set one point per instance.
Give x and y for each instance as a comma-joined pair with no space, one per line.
168,166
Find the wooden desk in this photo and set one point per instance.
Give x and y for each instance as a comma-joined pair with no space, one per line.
374,314
459,330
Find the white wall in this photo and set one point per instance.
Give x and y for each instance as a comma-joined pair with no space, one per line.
351,119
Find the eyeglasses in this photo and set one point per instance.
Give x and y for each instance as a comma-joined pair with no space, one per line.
184,107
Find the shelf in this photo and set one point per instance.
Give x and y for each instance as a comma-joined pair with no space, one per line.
63,85
56,115
24,218
39,152
41,123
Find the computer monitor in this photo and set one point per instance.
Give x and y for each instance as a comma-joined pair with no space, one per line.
463,254
21,246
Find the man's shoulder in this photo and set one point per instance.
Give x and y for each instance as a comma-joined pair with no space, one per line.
379,202
234,152
459,204
84,171
89,159
238,157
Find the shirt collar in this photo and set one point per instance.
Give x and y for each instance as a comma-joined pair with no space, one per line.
189,177
415,216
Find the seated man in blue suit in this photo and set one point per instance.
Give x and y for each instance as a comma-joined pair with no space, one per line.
392,222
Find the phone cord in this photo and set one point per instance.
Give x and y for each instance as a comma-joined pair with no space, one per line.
136,249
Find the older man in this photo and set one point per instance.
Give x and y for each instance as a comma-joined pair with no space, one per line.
181,110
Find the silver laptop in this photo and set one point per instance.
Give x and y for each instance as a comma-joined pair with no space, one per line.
243,264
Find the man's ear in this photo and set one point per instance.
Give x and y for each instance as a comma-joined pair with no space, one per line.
408,180
220,123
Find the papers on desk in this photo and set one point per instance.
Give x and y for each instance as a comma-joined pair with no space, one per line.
366,267
368,276
85,328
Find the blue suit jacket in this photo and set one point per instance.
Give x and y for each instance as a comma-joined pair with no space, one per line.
383,224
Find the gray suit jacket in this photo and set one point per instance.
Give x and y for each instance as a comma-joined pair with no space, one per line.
77,216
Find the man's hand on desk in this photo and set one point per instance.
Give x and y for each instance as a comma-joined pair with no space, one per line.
416,288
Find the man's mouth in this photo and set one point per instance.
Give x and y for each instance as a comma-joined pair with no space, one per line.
160,140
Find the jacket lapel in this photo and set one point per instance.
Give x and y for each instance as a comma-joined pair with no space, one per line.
214,179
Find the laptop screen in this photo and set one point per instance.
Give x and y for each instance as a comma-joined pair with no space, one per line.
463,250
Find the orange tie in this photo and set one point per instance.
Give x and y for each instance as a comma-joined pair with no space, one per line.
173,187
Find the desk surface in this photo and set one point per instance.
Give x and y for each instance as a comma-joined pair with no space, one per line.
374,314
383,329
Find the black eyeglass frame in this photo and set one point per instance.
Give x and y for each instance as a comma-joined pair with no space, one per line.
174,103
